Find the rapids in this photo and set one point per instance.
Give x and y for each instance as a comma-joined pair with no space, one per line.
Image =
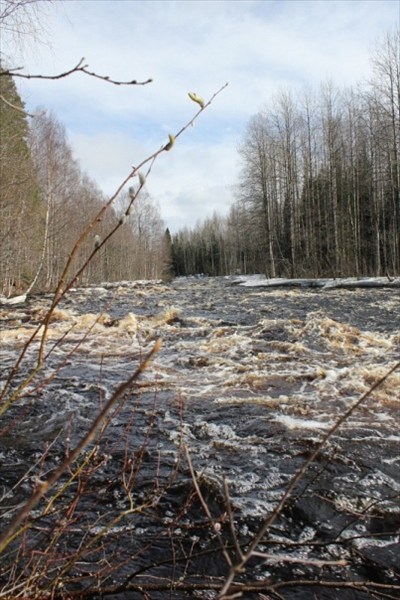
249,379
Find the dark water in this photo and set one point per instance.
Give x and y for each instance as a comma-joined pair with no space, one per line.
249,379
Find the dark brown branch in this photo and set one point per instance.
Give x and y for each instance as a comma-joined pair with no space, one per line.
265,585
79,68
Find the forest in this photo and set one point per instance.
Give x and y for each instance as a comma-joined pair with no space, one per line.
318,191
317,195
47,202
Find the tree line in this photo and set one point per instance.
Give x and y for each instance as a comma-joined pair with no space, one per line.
47,201
318,192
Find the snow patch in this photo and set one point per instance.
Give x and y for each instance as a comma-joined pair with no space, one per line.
294,423
342,282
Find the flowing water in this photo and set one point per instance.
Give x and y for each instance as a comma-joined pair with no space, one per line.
249,379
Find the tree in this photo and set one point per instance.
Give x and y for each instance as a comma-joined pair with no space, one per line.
258,190
143,256
168,271
384,100
318,191
35,255
21,206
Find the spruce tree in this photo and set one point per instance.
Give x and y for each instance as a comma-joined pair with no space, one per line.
168,271
21,209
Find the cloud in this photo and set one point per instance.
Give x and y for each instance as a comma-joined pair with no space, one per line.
189,183
256,46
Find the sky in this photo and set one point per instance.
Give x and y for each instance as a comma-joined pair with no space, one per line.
258,47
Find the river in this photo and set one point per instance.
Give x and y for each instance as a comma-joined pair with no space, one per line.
248,379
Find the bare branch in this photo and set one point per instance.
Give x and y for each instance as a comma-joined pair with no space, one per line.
215,523
293,559
9,532
231,521
252,547
63,286
79,68
14,107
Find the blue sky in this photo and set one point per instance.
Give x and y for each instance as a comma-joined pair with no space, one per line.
258,46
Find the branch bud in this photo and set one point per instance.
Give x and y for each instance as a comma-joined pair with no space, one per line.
170,143
198,99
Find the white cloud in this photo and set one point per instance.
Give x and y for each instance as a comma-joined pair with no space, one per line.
256,46
189,183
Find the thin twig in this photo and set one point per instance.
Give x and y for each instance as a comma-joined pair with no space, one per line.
10,531
304,561
297,477
63,286
231,521
15,107
215,523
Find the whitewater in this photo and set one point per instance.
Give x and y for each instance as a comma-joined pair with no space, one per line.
249,378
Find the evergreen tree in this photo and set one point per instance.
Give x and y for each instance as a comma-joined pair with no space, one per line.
21,208
168,271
